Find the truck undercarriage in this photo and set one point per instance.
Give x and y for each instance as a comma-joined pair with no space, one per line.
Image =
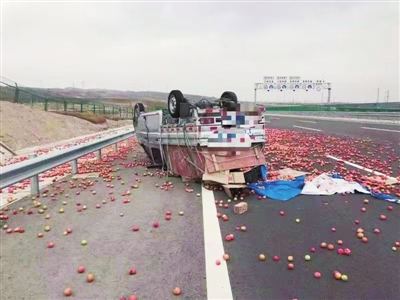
211,140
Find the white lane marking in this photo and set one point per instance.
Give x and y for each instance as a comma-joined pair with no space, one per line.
304,121
307,128
362,168
380,129
217,277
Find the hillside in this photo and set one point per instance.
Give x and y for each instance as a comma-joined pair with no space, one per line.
22,126
103,94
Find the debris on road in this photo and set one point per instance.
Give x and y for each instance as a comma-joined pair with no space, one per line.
240,207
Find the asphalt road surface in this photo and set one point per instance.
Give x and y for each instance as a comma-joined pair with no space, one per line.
373,268
187,250
379,116
389,134
360,115
166,257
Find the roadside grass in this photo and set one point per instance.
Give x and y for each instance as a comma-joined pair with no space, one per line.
150,105
86,115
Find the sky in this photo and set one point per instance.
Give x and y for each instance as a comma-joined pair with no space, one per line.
205,48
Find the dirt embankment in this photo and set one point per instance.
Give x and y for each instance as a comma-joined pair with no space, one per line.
22,126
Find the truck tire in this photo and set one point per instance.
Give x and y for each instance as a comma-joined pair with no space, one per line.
229,95
138,108
175,99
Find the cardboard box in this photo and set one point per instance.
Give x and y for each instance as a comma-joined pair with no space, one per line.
240,208
220,177
228,187
224,177
234,180
236,177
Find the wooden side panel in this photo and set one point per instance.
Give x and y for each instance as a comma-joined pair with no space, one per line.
191,163
185,162
243,159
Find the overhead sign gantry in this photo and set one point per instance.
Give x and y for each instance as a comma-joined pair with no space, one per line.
293,84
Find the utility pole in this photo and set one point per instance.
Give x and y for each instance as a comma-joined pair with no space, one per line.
257,86
329,93
322,96
83,87
377,98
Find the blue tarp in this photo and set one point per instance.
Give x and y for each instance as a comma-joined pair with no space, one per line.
283,190
384,196
374,194
264,172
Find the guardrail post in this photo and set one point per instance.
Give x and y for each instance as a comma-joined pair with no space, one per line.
34,180
16,96
74,166
98,154
116,147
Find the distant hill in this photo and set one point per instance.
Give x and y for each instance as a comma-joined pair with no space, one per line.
104,94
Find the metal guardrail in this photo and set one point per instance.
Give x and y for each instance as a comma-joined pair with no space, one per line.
34,166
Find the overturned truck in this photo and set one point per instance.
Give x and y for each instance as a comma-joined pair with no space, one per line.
217,140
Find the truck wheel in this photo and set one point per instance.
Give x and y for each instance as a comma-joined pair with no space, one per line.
138,108
229,95
175,99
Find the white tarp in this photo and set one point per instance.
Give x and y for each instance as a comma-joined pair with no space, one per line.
326,185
